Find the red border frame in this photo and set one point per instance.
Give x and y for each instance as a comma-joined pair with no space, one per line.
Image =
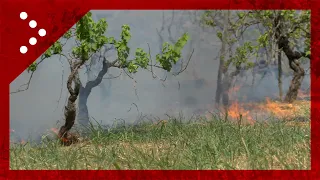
56,16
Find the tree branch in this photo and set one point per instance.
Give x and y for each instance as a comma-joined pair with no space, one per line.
98,80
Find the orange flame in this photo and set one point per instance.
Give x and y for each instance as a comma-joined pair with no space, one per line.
279,109
244,111
56,131
237,112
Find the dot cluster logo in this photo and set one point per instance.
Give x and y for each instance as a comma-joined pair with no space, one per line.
32,40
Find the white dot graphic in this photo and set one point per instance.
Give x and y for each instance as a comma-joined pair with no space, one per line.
23,15
33,41
42,32
33,24
23,49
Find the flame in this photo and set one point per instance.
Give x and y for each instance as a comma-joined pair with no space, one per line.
237,112
279,109
244,111
56,131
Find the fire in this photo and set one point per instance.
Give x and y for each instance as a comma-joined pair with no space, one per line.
279,109
244,111
236,110
70,139
56,132
238,113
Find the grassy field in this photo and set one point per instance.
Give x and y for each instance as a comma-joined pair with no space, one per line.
204,144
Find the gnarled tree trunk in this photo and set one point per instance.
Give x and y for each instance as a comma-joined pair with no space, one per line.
293,57
70,109
83,114
296,81
74,91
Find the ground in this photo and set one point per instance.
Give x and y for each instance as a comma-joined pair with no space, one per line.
206,143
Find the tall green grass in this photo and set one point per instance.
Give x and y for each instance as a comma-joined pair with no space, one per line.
204,144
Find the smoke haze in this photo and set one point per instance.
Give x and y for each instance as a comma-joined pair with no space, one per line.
41,106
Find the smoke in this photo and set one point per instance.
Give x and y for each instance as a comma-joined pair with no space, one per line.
40,107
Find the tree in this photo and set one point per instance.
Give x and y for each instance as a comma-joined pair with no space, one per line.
235,54
90,42
173,28
85,90
288,29
291,27
222,57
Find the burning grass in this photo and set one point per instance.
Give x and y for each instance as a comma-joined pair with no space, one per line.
250,112
72,137
204,144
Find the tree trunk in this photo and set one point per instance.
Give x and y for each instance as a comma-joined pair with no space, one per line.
293,57
83,114
280,75
296,81
223,53
226,84
70,109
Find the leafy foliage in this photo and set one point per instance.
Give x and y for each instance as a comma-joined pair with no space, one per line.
243,51
241,56
90,38
172,53
295,26
32,67
56,48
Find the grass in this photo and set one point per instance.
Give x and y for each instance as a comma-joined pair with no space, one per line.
202,144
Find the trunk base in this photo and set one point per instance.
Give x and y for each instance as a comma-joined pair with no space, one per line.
296,82
67,138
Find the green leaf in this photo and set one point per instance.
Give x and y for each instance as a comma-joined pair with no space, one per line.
219,35
56,48
32,67
308,53
172,53
67,35
48,53
240,15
